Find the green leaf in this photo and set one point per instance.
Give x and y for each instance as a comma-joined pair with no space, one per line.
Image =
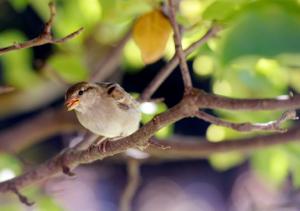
115,11
16,64
265,28
19,5
221,10
70,67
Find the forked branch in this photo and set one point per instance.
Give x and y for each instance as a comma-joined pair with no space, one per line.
186,108
44,38
274,126
179,51
163,73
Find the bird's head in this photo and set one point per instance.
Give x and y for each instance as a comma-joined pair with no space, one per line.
80,96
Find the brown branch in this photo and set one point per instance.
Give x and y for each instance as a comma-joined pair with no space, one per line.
6,89
28,132
179,51
171,65
44,38
23,199
206,100
194,148
187,107
72,159
247,126
133,181
21,136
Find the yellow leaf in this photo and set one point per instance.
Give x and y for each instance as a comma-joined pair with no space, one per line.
151,33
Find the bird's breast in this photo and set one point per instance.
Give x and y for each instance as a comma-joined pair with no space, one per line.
110,121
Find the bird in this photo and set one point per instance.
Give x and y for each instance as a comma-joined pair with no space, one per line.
105,109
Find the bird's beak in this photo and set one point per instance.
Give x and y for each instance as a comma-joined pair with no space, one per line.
72,103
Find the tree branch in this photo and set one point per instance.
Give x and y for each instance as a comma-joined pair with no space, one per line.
205,100
185,108
247,126
6,89
19,137
44,38
133,171
171,65
194,148
37,128
179,51
23,199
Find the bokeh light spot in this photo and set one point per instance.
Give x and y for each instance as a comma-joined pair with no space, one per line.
215,133
148,108
191,9
203,65
6,174
222,88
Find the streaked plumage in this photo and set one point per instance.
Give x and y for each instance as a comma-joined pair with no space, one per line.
105,109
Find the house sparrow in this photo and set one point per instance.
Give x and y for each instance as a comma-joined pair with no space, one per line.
105,109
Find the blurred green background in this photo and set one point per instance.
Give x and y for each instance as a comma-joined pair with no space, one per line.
256,55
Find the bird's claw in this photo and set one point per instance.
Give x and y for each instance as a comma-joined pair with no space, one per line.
102,147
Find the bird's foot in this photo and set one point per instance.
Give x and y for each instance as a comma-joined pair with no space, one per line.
102,146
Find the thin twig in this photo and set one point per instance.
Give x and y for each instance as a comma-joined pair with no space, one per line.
247,126
179,51
44,38
133,181
23,199
171,65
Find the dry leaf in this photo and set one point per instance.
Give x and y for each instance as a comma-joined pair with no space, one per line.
151,33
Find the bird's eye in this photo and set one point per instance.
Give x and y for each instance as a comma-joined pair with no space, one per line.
80,92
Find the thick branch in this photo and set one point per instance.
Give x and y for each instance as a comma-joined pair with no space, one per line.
187,107
247,126
206,100
44,38
171,65
72,159
179,51
17,138
133,181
